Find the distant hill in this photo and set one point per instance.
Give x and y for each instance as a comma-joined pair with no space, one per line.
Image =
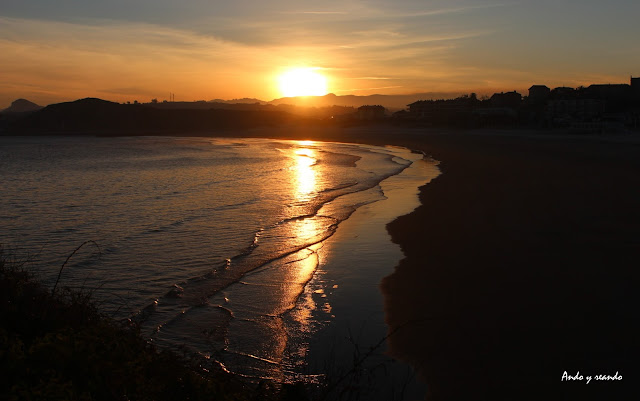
392,102
96,116
302,110
202,105
244,100
388,101
21,106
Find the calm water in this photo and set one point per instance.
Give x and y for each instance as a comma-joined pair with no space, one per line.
220,245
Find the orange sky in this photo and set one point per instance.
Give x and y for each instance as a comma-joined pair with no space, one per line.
142,49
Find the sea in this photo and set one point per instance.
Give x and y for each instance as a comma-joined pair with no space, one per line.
260,256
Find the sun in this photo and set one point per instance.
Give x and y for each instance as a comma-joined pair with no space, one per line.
302,82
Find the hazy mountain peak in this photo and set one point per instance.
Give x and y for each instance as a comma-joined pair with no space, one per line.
389,101
21,106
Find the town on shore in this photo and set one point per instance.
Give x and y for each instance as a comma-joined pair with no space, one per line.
598,108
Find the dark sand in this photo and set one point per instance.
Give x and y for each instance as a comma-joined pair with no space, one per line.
521,264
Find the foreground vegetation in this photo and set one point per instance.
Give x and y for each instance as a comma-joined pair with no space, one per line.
56,345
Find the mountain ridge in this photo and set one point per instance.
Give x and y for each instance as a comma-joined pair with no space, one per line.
21,106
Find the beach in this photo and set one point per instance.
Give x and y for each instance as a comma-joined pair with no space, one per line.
519,264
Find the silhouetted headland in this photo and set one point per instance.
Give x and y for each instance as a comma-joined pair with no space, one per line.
95,116
21,106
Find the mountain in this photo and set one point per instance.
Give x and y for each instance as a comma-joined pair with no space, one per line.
21,106
244,100
392,102
388,101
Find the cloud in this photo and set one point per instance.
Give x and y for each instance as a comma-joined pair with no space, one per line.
454,10
74,58
316,12
368,89
122,60
131,91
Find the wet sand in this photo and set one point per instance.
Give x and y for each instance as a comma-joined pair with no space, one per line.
350,306
521,264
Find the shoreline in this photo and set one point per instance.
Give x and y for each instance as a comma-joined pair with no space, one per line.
299,261
349,310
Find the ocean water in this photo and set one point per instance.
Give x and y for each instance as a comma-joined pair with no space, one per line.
223,247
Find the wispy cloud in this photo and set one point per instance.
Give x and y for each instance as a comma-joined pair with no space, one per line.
368,89
75,59
316,12
454,10
384,45
129,60
373,78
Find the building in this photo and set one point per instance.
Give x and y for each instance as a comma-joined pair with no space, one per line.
564,111
510,100
539,94
611,92
635,88
563,92
370,112
450,111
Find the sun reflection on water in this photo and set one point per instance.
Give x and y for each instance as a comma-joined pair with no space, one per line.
305,174
305,184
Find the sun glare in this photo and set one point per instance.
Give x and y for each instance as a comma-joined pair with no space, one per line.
302,82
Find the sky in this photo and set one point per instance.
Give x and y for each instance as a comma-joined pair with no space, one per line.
126,50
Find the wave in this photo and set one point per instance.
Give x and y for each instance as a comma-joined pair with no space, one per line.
270,245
